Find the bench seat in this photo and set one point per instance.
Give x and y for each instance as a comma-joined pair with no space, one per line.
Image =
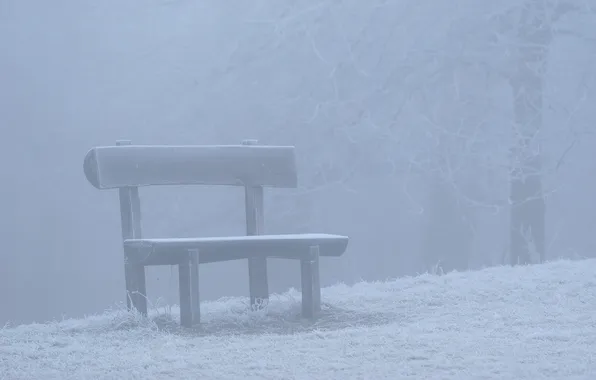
170,251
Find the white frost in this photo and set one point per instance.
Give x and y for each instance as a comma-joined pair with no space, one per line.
225,239
501,323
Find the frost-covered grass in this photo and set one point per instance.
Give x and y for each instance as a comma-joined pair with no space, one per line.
501,323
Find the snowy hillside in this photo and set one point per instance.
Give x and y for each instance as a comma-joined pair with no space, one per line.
501,323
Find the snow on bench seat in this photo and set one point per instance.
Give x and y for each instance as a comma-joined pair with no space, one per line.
214,249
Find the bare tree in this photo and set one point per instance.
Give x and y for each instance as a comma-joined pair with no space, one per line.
536,29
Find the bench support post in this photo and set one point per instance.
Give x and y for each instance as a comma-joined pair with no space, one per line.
255,225
188,278
130,217
258,284
311,286
136,291
316,278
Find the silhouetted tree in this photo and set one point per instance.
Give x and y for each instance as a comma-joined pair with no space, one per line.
447,237
528,208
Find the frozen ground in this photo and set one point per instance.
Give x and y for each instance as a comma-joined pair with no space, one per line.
533,323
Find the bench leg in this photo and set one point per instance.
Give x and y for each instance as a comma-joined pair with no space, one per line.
188,278
136,290
258,284
311,286
194,287
316,278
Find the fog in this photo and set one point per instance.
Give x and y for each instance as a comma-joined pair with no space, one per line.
402,114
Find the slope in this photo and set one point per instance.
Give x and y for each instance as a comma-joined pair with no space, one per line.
531,322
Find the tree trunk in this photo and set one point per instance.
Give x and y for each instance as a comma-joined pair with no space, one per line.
527,239
447,238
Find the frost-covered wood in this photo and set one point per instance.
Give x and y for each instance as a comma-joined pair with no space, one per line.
110,167
188,283
291,246
188,253
130,224
255,225
309,278
127,167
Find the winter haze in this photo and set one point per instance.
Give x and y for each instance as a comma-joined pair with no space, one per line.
416,124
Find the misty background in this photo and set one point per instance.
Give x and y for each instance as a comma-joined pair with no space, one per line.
403,114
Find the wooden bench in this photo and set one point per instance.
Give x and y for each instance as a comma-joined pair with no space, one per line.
127,167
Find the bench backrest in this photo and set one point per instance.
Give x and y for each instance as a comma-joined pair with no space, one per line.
110,167
127,167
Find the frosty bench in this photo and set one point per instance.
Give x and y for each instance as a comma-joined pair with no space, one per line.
127,167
